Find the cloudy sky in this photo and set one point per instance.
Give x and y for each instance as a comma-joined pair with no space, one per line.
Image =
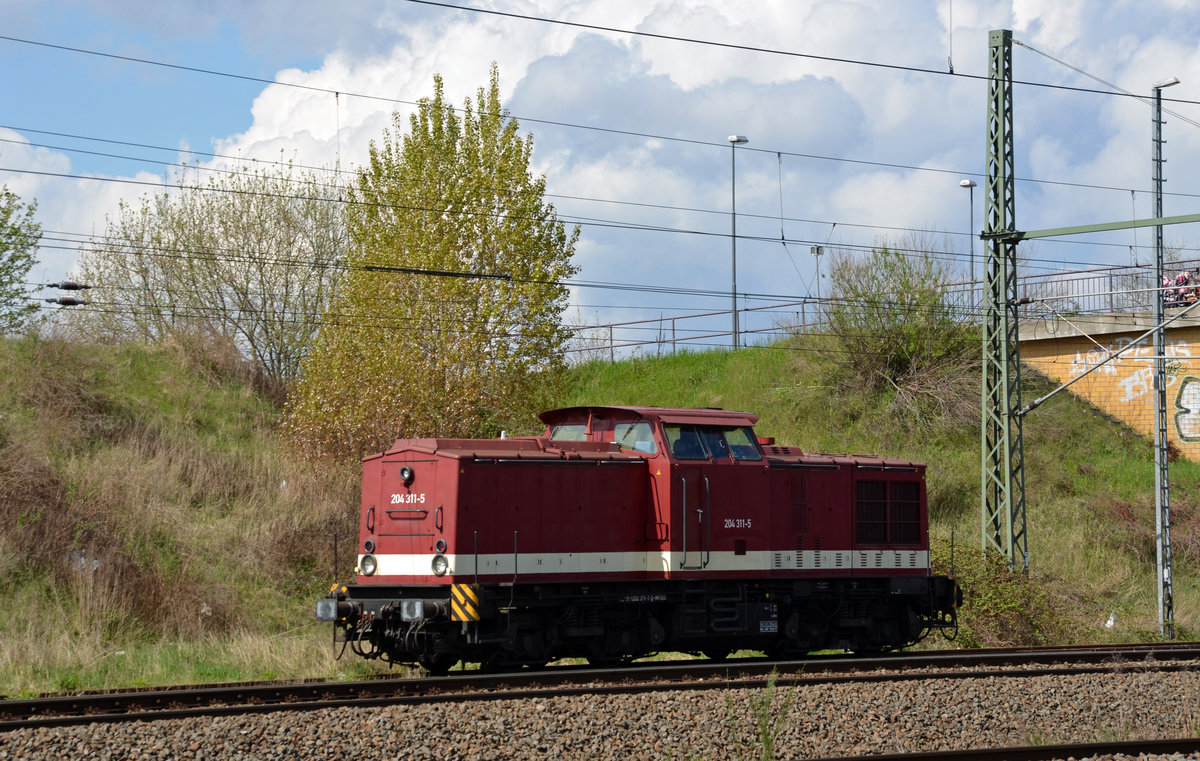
858,131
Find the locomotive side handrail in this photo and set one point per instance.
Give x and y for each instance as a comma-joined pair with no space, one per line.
707,523
683,514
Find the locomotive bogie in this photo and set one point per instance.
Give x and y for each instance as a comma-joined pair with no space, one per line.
531,625
627,530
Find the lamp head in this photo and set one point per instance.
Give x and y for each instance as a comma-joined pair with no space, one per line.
738,139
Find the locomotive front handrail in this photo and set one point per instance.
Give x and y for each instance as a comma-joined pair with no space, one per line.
407,515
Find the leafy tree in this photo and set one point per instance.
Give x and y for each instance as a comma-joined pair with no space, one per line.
248,259
447,322
901,331
19,236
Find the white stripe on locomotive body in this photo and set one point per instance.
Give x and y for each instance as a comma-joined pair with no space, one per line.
766,562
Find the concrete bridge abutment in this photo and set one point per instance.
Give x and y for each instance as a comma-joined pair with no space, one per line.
1066,348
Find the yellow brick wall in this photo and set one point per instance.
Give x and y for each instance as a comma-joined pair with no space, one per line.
1124,387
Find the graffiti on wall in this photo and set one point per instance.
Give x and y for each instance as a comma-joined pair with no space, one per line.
1134,366
1187,409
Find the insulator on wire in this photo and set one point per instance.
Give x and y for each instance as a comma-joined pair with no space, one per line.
69,285
67,301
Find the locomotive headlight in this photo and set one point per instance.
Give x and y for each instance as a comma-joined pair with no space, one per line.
368,565
440,565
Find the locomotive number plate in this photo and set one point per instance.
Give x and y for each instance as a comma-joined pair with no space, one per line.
737,523
408,499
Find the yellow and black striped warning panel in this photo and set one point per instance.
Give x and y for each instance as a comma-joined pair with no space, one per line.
464,602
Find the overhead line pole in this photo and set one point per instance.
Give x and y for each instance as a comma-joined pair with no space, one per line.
1162,481
1002,468
1003,525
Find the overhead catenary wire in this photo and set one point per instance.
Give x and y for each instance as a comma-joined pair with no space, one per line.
568,220
337,93
449,327
1144,99
338,171
759,49
947,306
105,242
575,220
631,226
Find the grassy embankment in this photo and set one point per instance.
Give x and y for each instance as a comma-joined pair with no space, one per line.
1089,482
155,530
158,532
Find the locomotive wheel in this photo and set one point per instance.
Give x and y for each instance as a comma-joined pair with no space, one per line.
438,665
717,654
500,665
609,658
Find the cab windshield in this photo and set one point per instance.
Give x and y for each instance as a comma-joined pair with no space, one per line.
636,436
569,432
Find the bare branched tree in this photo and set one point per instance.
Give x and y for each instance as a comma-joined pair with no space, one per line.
249,258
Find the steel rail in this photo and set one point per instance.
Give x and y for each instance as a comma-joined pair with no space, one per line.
170,703
1132,748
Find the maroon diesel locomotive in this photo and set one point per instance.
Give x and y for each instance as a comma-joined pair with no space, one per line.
623,531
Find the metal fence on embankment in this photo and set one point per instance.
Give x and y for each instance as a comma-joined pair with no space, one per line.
1125,288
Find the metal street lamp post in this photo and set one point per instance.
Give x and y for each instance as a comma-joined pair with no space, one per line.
970,185
734,142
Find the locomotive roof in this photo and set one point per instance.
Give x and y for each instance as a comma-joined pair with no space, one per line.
792,457
692,415
515,448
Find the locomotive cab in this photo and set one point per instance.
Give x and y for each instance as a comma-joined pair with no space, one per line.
713,509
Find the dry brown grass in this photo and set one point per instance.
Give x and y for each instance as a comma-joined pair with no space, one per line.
148,498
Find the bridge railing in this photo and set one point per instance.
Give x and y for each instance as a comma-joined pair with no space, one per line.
1122,288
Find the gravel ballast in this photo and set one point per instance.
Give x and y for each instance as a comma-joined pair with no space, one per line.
820,720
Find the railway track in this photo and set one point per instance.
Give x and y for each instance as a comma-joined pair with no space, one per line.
184,702
1132,748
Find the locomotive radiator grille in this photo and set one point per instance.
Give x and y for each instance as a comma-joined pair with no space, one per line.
464,602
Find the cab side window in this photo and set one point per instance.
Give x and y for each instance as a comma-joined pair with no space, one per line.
699,442
685,442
